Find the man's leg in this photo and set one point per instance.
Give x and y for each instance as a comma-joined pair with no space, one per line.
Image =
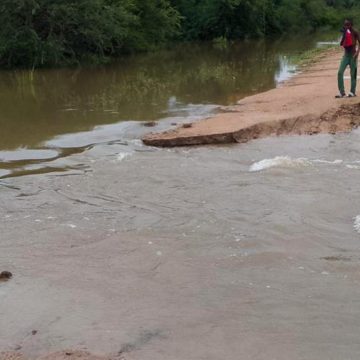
353,74
344,63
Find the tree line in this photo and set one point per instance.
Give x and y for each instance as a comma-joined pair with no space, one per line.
43,33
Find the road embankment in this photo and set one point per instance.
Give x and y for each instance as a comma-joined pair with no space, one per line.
303,105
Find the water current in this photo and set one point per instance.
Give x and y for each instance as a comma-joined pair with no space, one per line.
243,251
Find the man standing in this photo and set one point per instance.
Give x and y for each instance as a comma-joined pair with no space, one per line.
349,42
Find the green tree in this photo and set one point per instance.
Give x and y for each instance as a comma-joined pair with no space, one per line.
37,33
46,32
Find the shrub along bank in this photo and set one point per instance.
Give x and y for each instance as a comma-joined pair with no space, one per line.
42,33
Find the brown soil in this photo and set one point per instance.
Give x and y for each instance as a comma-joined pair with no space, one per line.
303,105
5,276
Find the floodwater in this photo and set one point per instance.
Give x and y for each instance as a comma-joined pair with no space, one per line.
246,251
50,114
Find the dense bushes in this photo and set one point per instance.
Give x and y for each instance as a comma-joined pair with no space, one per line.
35,33
55,32
208,19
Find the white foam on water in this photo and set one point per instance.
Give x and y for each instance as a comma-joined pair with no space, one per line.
136,142
123,155
288,162
279,161
286,71
98,135
357,223
335,162
69,109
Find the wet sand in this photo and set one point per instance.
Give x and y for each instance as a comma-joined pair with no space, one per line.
303,105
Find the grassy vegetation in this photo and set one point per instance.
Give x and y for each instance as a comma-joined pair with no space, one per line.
310,56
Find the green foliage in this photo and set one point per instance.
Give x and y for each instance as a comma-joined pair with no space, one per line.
46,32
39,33
209,19
306,57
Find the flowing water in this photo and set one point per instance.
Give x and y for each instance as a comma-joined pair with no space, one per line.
246,251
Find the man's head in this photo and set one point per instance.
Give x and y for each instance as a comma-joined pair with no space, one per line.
348,24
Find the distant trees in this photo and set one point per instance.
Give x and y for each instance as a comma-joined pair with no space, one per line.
207,19
38,33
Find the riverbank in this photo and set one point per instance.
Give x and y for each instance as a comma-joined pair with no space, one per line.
304,105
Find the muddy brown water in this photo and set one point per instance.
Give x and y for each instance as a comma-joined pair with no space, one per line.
249,251
50,114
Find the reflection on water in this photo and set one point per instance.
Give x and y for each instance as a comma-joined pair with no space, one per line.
38,107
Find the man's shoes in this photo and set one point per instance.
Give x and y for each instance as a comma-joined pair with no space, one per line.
351,94
340,96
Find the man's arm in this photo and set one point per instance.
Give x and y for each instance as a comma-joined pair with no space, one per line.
357,44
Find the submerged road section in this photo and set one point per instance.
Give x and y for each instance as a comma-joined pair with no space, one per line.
303,105
243,252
